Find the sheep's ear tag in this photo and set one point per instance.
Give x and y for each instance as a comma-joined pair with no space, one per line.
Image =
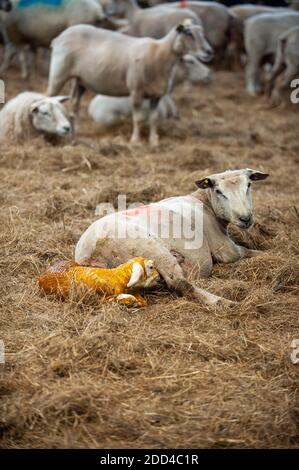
204,183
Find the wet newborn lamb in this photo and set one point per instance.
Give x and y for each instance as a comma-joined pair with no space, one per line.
119,285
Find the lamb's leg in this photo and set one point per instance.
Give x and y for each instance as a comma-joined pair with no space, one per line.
253,83
138,117
153,121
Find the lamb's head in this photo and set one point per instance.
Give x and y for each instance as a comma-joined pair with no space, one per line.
191,39
144,273
196,71
229,194
5,5
49,115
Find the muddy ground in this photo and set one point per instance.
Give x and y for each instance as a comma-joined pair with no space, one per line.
176,374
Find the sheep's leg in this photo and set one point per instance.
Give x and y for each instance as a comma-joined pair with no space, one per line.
25,72
9,53
130,300
282,83
138,117
253,83
172,273
77,93
153,121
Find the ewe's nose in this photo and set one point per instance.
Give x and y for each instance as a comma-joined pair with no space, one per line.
246,220
207,56
65,129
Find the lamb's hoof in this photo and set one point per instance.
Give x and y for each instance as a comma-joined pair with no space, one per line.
225,303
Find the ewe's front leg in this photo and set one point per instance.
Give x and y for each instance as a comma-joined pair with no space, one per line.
253,84
153,121
173,275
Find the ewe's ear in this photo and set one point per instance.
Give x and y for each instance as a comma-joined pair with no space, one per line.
256,175
137,274
180,28
205,183
34,107
62,99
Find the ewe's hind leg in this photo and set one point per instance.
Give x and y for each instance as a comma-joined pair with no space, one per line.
153,121
282,83
58,75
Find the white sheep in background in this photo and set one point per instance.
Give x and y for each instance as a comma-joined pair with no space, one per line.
31,114
111,110
114,64
37,24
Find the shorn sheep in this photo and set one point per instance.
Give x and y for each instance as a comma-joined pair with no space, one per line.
113,64
36,24
111,110
31,114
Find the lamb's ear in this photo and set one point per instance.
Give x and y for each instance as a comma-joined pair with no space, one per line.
62,99
137,274
205,183
256,175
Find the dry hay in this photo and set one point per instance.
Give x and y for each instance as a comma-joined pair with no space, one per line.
176,374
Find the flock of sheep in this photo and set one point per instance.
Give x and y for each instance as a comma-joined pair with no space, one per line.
132,57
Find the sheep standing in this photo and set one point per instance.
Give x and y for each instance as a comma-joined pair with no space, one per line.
153,22
37,24
286,66
113,64
31,114
111,110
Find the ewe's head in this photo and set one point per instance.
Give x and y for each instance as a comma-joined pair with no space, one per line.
191,38
230,195
49,115
196,71
144,273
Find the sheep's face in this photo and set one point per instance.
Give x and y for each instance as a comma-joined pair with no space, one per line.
196,71
230,195
49,116
143,274
191,39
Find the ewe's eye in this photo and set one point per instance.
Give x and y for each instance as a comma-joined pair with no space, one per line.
249,186
45,113
220,193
